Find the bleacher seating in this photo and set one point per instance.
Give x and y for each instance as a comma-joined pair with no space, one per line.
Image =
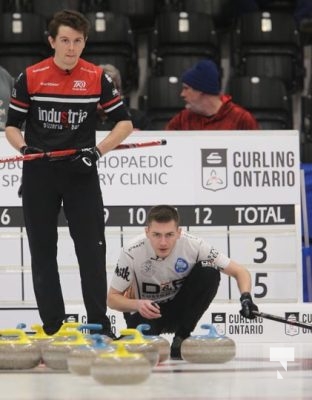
268,44
22,41
111,41
278,5
222,11
266,98
16,6
177,36
47,8
140,12
161,100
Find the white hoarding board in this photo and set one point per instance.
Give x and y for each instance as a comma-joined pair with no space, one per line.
240,190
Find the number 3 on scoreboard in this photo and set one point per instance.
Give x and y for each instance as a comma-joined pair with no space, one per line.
261,250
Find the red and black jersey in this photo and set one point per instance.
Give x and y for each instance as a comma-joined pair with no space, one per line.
230,116
59,106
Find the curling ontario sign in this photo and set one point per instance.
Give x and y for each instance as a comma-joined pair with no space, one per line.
193,168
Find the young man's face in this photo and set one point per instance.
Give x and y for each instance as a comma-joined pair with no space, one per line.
163,237
68,46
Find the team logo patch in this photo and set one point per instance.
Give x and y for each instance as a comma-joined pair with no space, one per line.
147,268
214,171
79,85
181,265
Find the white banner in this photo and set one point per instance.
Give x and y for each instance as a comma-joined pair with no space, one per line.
199,167
225,317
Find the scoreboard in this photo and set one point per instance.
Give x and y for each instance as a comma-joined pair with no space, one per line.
239,190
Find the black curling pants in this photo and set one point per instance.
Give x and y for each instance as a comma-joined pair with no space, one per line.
46,187
181,314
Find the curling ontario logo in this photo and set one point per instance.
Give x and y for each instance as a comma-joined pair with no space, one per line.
218,320
292,330
214,169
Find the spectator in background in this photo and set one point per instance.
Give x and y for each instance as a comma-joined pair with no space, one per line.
6,86
206,108
139,119
302,10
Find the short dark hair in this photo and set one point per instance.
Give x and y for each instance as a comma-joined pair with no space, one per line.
163,213
72,18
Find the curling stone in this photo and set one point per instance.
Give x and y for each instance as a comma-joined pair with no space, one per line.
55,354
135,343
161,344
120,367
67,326
94,328
17,351
39,332
42,339
210,348
39,336
80,358
62,333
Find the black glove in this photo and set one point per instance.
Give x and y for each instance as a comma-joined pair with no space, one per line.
30,150
85,160
248,306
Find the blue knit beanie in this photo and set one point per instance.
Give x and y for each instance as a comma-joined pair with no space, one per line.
204,76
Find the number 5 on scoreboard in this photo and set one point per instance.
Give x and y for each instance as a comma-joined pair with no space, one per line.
260,282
